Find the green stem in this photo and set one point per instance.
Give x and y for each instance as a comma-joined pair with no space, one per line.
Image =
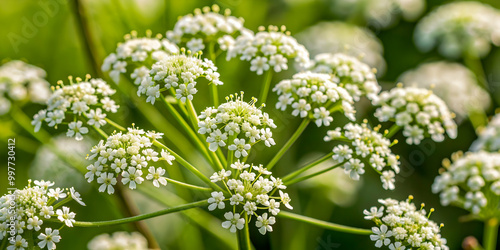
186,185
244,242
230,158
303,178
138,217
214,93
307,167
267,84
43,137
392,131
474,64
114,124
194,117
4,243
289,143
100,132
188,166
192,134
324,224
490,234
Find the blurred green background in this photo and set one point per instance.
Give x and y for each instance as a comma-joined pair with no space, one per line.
54,42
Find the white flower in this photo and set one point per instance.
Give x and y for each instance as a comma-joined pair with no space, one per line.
19,244
285,199
233,222
167,156
107,181
76,129
56,193
34,223
373,213
314,95
396,246
489,137
132,176
157,176
49,238
459,28
216,201
355,76
269,48
66,216
264,224
76,196
240,147
398,99
381,236
179,72
354,167
96,118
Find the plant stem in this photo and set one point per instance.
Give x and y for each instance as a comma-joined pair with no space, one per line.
324,224
267,83
186,185
303,178
114,124
130,209
100,132
187,128
289,143
138,217
43,137
490,234
244,242
194,117
214,93
197,216
307,167
392,131
189,167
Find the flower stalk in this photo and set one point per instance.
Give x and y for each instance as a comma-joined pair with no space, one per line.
288,144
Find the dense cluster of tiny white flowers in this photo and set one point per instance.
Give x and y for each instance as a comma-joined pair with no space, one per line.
421,113
19,82
489,137
126,156
178,73
339,37
314,96
381,13
269,50
352,74
87,99
251,189
237,123
400,225
453,83
459,28
23,212
207,26
364,146
118,240
471,181
136,55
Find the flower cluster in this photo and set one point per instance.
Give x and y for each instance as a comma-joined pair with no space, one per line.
471,181
20,81
459,29
238,123
118,240
400,225
251,189
83,99
364,146
419,111
489,137
339,37
453,83
178,73
207,26
353,75
136,55
381,13
269,50
314,96
124,156
23,212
